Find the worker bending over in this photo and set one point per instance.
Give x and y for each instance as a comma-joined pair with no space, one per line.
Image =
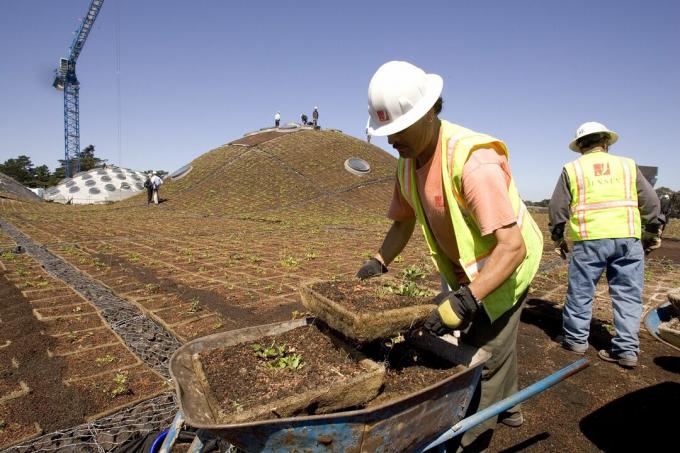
456,183
604,199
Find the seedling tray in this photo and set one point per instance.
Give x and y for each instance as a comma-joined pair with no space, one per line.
363,325
186,367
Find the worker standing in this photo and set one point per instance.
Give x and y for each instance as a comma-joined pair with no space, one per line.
457,185
603,200
156,182
315,116
277,119
149,189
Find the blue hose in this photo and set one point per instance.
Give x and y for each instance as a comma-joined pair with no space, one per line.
156,445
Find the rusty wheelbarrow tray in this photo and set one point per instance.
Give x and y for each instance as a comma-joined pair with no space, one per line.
403,424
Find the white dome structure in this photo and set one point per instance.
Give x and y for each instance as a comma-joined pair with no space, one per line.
99,185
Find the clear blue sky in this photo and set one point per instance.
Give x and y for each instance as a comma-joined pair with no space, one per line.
195,74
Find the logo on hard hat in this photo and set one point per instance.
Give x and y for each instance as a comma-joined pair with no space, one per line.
382,115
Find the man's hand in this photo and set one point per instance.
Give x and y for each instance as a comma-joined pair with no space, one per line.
650,241
562,248
455,310
371,268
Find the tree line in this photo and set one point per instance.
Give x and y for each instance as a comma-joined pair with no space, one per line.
23,170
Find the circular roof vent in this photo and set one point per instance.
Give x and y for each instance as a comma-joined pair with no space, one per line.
357,166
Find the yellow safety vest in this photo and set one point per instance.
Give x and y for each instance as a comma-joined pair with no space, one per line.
457,143
604,200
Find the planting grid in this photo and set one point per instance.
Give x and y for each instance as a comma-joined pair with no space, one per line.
56,350
229,249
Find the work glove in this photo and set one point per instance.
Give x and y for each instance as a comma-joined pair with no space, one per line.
562,248
371,268
455,311
650,241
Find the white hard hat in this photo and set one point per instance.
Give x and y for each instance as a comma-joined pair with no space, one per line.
315,107
154,173
399,94
592,127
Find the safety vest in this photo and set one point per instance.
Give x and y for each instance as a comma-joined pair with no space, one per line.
604,200
457,143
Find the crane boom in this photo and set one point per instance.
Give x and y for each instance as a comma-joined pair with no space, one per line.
66,80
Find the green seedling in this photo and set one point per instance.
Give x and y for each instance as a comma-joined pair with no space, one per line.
105,360
289,261
218,324
133,257
408,288
3,425
413,273
399,259
152,288
121,385
292,362
278,356
195,305
9,256
311,256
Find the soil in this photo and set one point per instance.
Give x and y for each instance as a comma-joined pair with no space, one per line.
409,371
239,379
368,295
602,408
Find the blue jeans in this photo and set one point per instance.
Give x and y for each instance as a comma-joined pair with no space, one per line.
623,259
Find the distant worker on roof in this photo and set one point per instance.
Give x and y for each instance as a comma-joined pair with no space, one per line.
457,184
277,119
149,188
315,116
666,211
604,201
156,182
303,119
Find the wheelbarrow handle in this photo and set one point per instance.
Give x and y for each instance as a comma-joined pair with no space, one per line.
505,404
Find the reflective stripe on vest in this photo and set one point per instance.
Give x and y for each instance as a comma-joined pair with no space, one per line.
604,197
474,249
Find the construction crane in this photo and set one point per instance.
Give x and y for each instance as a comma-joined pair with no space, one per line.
67,81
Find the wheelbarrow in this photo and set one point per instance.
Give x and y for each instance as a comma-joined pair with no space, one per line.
420,421
654,323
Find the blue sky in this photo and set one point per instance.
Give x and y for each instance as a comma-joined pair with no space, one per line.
195,74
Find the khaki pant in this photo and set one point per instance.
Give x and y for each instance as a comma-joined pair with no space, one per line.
499,375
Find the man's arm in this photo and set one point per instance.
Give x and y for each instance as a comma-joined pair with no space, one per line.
504,259
558,208
648,203
396,239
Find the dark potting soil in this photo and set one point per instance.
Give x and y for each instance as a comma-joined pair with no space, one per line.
368,295
408,371
239,379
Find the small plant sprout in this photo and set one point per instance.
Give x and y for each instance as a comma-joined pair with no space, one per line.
399,259
278,356
104,360
413,273
195,305
121,385
311,255
289,261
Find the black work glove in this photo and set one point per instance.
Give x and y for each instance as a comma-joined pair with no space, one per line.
455,310
562,248
371,268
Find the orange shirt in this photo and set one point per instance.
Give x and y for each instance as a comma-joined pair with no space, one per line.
486,177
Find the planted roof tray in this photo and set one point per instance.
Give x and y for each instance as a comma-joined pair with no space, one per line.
276,371
371,309
407,420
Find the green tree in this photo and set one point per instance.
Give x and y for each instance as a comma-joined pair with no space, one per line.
20,168
88,160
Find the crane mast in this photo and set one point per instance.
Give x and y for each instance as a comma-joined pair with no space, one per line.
67,81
